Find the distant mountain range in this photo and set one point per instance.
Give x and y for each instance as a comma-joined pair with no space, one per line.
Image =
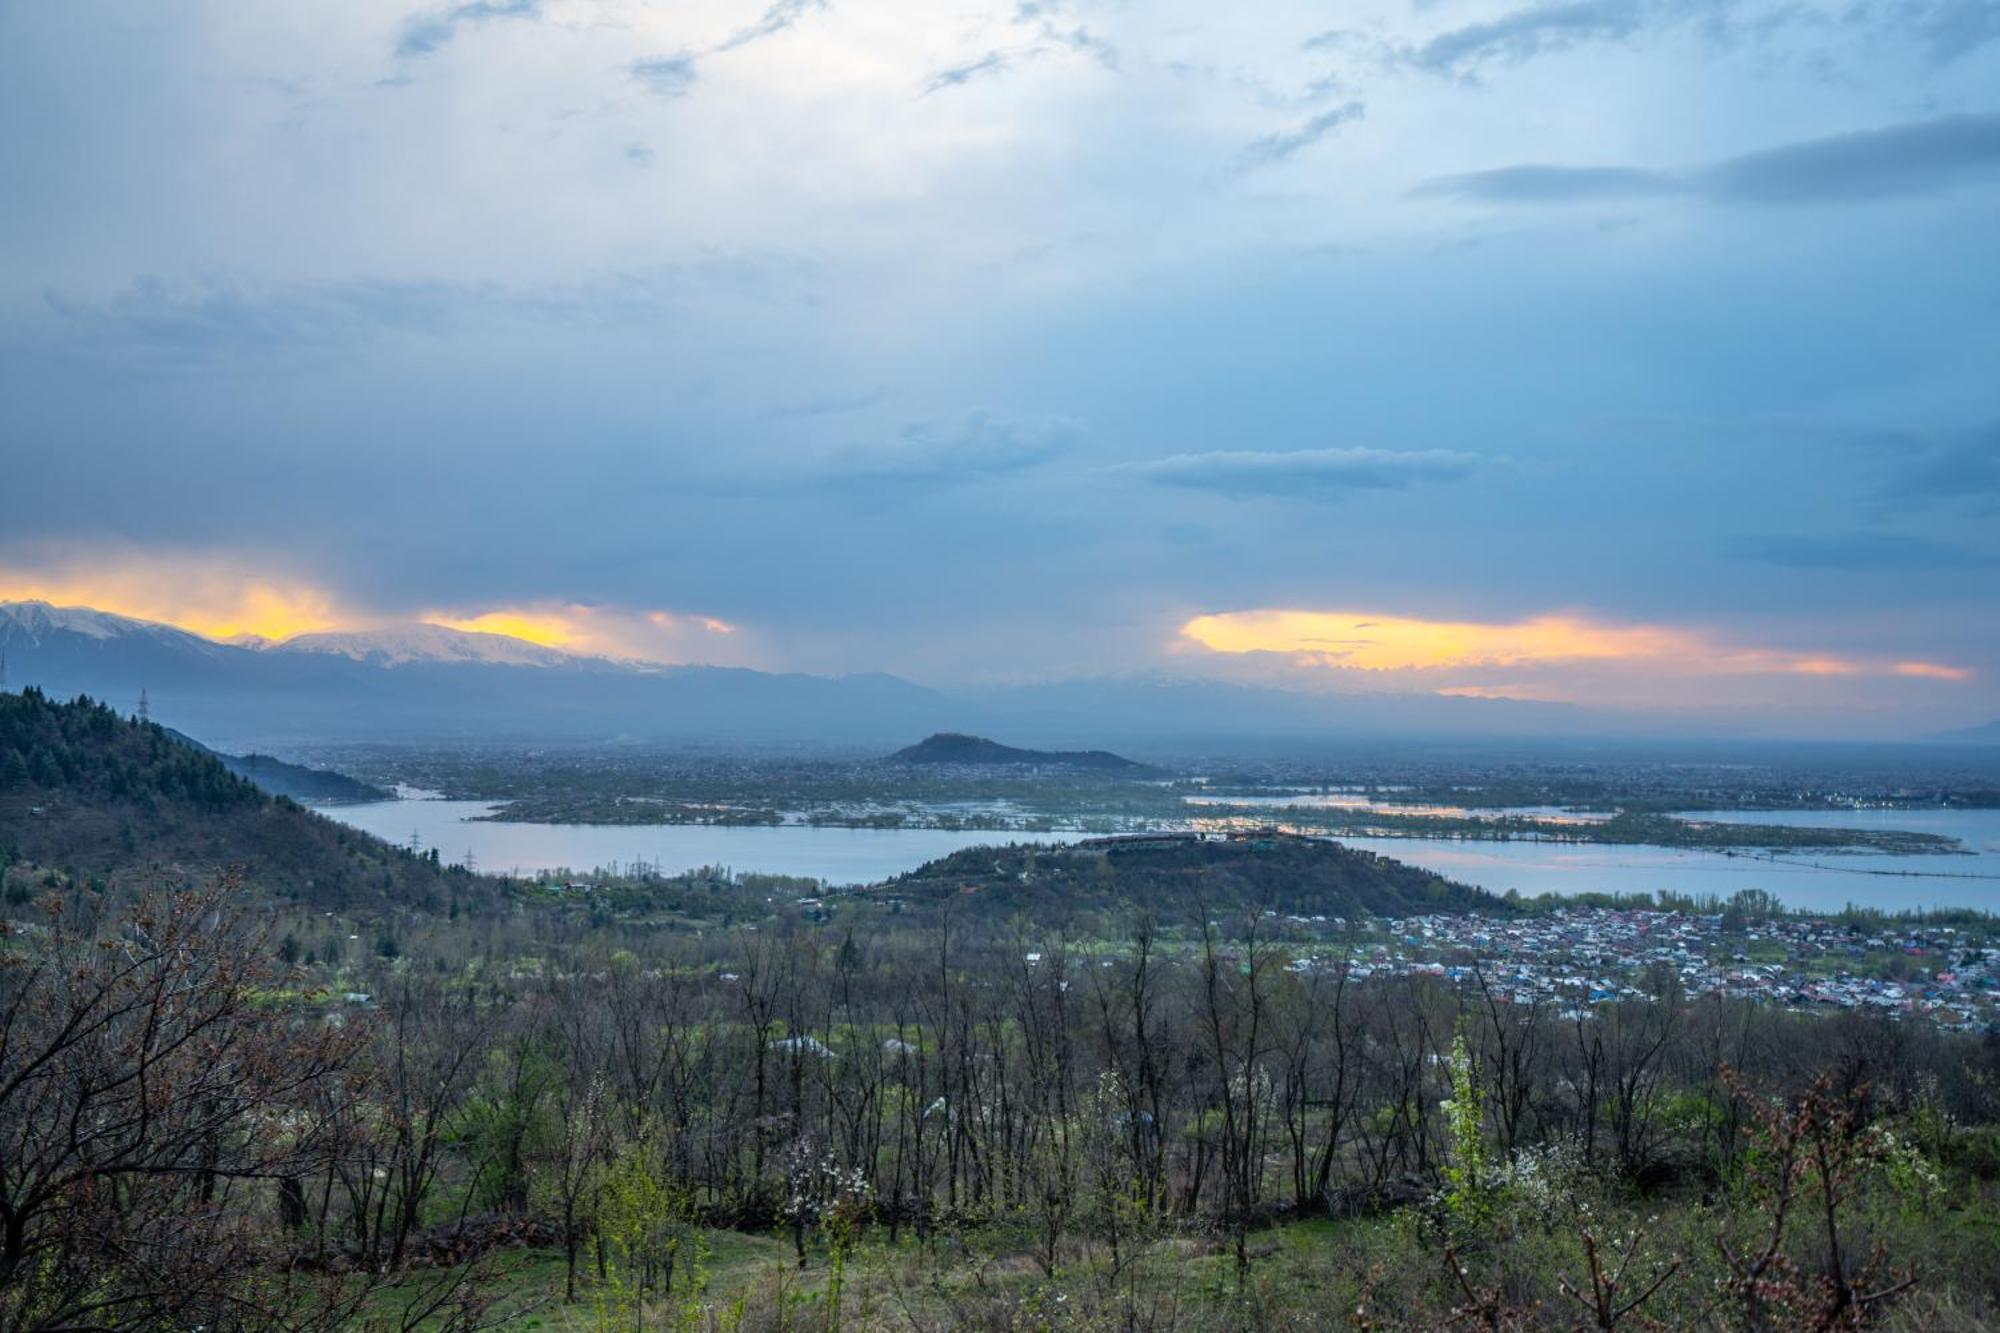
428,682
1987,733
407,645
952,747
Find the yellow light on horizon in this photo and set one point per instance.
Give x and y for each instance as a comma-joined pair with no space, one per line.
611,631
548,630
1362,641
1368,642
214,597
191,599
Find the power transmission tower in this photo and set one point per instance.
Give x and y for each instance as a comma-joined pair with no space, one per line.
145,707
471,863
3,673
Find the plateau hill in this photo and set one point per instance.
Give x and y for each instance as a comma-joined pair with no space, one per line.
951,747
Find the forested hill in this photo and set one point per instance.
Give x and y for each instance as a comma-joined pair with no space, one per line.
279,778
1176,873
950,747
275,777
88,795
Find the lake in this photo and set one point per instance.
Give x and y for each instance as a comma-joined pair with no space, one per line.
1816,882
1812,881
836,855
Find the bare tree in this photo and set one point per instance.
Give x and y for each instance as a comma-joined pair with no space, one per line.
149,1099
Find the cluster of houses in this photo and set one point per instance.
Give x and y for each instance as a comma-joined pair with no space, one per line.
1578,957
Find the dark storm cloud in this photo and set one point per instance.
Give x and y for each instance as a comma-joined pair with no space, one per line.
1913,158
1527,32
1541,184
833,404
214,319
1919,157
669,76
781,15
1859,552
981,444
1959,466
426,33
1949,29
1306,474
457,346
1277,147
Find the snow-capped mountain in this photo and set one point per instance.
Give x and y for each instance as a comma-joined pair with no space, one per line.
32,625
429,681
403,645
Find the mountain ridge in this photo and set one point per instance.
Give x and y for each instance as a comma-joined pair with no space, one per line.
442,686
1985,733
421,641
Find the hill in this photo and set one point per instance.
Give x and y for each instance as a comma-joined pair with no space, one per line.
89,796
275,777
1176,873
1986,733
951,747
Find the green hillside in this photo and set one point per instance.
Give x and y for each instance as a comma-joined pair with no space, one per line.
89,796
1176,873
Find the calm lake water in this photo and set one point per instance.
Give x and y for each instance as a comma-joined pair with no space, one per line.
836,855
858,856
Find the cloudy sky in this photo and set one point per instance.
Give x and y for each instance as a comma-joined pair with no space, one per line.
1637,353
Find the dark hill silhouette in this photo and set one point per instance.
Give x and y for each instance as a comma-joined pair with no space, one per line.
275,777
95,796
1986,733
278,778
951,747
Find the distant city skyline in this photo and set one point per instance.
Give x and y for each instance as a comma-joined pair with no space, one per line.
1637,354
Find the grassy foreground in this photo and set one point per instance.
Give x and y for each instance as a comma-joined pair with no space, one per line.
1392,1271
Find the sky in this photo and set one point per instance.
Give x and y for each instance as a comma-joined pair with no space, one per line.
1639,354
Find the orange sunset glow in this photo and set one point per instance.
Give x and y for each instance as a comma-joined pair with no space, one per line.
602,631
1361,641
216,600
193,595
548,630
